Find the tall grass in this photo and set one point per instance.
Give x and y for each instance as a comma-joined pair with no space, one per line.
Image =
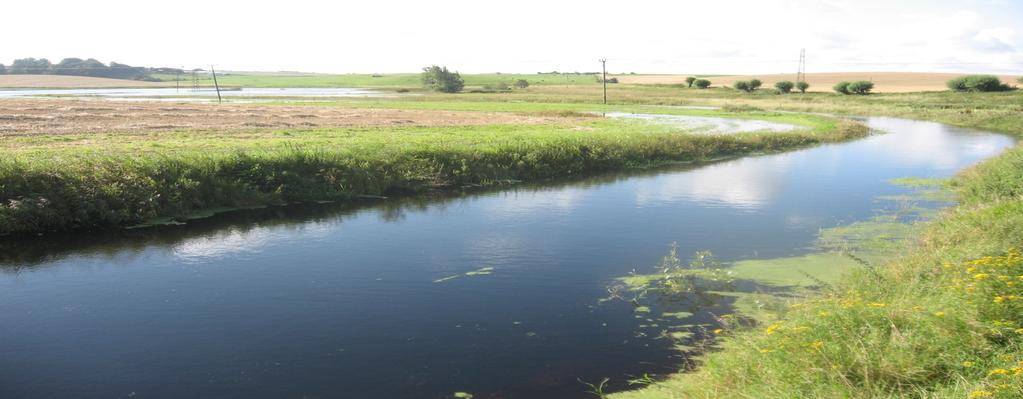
110,183
944,320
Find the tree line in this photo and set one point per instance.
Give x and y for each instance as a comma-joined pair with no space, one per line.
79,67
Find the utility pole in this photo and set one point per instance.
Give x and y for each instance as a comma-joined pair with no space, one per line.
801,74
215,84
603,68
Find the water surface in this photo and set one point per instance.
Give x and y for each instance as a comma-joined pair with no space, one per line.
183,92
328,301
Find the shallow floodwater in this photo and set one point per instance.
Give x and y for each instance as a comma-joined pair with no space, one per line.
359,302
707,124
206,93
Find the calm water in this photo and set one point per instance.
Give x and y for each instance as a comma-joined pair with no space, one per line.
329,302
206,93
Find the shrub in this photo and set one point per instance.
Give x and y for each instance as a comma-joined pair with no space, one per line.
690,80
841,87
702,83
440,79
784,86
861,87
755,84
499,86
802,86
981,83
522,83
742,85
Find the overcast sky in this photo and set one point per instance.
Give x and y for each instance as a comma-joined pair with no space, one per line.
717,36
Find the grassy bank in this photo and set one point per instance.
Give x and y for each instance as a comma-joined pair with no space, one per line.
67,182
942,318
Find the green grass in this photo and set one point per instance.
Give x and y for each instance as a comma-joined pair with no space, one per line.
53,183
941,318
389,80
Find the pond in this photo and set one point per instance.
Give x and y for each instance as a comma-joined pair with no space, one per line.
204,93
708,124
494,292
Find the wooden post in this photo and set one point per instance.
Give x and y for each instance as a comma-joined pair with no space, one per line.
215,84
603,68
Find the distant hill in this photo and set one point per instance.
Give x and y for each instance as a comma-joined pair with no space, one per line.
79,67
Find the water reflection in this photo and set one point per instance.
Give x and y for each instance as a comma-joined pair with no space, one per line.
321,300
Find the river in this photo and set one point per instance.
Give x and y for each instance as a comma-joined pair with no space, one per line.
374,300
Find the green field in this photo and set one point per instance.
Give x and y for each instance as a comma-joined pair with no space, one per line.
390,81
920,324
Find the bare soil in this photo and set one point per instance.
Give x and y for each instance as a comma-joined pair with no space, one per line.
24,117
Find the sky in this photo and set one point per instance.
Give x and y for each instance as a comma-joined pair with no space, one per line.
480,36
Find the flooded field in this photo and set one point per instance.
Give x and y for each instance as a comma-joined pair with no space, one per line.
206,93
708,125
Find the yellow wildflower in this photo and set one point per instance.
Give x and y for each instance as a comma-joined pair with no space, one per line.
773,328
766,350
999,299
981,394
981,276
968,363
824,314
998,372
817,345
939,313
718,331
877,305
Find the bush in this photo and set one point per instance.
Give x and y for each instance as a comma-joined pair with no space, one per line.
690,80
802,86
522,83
702,83
499,86
755,84
861,87
980,83
784,86
841,87
440,79
742,85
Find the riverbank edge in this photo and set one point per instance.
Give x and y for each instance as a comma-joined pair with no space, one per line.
916,326
54,195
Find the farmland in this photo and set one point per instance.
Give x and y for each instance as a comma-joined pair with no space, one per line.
895,328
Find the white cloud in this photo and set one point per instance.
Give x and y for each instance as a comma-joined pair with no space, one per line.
722,36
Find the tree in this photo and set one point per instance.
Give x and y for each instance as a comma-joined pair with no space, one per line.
30,66
702,83
3,69
755,84
440,79
522,83
784,86
802,86
690,80
841,87
861,87
742,85
981,83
